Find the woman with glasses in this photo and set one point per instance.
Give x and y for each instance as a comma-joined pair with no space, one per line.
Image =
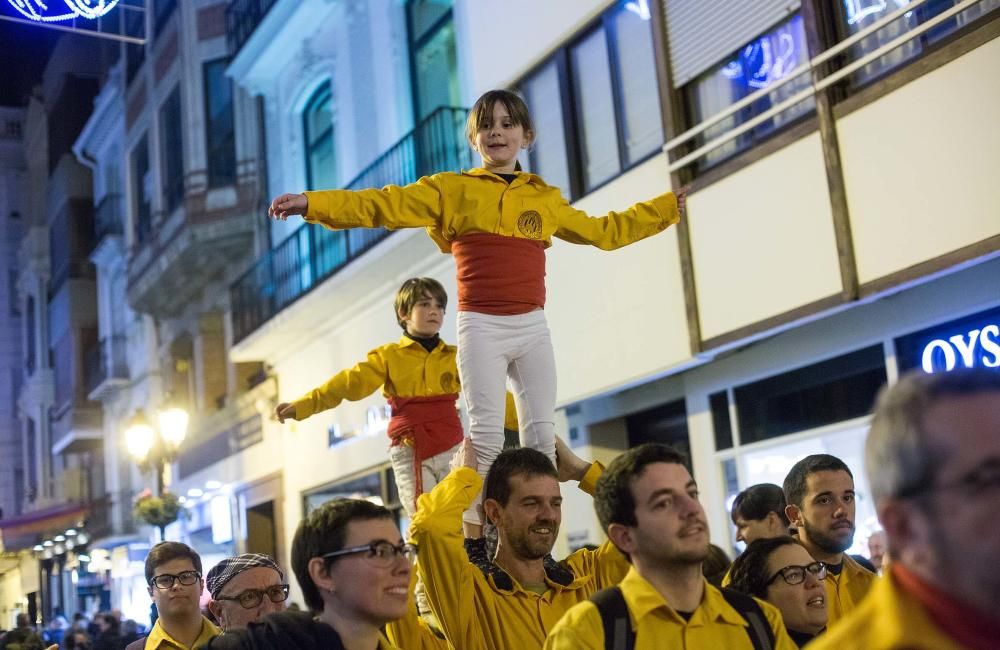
355,572
780,571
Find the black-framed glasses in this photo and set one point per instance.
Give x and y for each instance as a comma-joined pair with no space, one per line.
252,597
381,552
165,581
794,574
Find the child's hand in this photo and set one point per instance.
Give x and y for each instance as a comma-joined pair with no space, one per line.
465,456
681,195
569,465
285,410
286,205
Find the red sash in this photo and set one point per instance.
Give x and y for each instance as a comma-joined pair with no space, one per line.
430,425
499,275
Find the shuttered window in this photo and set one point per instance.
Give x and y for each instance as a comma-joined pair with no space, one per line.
704,32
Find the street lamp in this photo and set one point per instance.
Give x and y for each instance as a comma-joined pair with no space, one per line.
154,451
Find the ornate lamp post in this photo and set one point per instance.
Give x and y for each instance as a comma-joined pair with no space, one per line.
156,450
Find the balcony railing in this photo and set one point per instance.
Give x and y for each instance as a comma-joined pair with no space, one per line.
242,18
311,255
108,217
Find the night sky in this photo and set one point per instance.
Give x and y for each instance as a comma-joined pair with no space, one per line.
25,49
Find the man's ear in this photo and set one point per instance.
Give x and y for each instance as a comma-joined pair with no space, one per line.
621,536
216,608
319,575
493,510
794,513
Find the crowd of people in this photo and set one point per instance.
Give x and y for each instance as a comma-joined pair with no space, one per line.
106,631
476,571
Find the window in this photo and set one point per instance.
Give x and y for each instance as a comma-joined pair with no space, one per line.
547,155
162,9
434,63
317,127
605,85
759,64
220,129
135,53
813,396
856,15
172,144
141,191
29,335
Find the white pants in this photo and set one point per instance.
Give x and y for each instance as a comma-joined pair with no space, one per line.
432,470
492,349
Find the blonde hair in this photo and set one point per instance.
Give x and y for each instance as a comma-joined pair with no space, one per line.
481,112
413,291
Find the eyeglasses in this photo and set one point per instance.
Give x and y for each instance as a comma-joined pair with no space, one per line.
795,575
253,597
165,581
381,553
981,480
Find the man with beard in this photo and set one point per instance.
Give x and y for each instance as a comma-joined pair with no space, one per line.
819,490
933,461
173,576
244,589
648,505
516,597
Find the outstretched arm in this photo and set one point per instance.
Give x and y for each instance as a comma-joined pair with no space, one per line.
617,229
415,205
352,384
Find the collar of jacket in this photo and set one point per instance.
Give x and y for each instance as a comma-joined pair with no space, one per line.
554,572
405,341
523,178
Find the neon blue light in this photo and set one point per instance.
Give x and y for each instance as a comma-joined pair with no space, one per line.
769,58
858,10
36,9
977,348
639,7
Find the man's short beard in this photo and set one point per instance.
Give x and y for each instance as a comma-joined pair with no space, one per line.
825,542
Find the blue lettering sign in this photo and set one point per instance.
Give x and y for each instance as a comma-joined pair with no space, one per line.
972,342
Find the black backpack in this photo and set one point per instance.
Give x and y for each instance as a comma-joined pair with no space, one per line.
619,635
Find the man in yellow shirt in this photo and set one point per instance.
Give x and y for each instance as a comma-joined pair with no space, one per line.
516,597
933,462
173,576
648,505
820,493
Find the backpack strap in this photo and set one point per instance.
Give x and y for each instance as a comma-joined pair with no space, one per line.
759,630
618,632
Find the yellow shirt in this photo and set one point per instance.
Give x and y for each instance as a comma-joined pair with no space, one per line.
404,369
451,204
478,612
888,619
845,591
158,638
715,624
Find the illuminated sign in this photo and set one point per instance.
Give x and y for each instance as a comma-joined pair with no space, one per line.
769,58
39,11
970,342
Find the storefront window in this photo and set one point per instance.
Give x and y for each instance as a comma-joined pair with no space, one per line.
771,464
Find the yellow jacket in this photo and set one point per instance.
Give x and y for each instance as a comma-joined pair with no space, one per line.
158,638
451,204
715,624
845,591
495,612
888,619
403,369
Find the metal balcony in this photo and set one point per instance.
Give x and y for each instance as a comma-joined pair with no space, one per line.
106,367
311,255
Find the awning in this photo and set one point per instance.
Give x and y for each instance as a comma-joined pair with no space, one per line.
28,529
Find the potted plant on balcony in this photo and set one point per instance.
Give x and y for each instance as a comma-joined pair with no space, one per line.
159,511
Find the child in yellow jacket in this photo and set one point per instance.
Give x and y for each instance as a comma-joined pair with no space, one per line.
419,378
497,221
